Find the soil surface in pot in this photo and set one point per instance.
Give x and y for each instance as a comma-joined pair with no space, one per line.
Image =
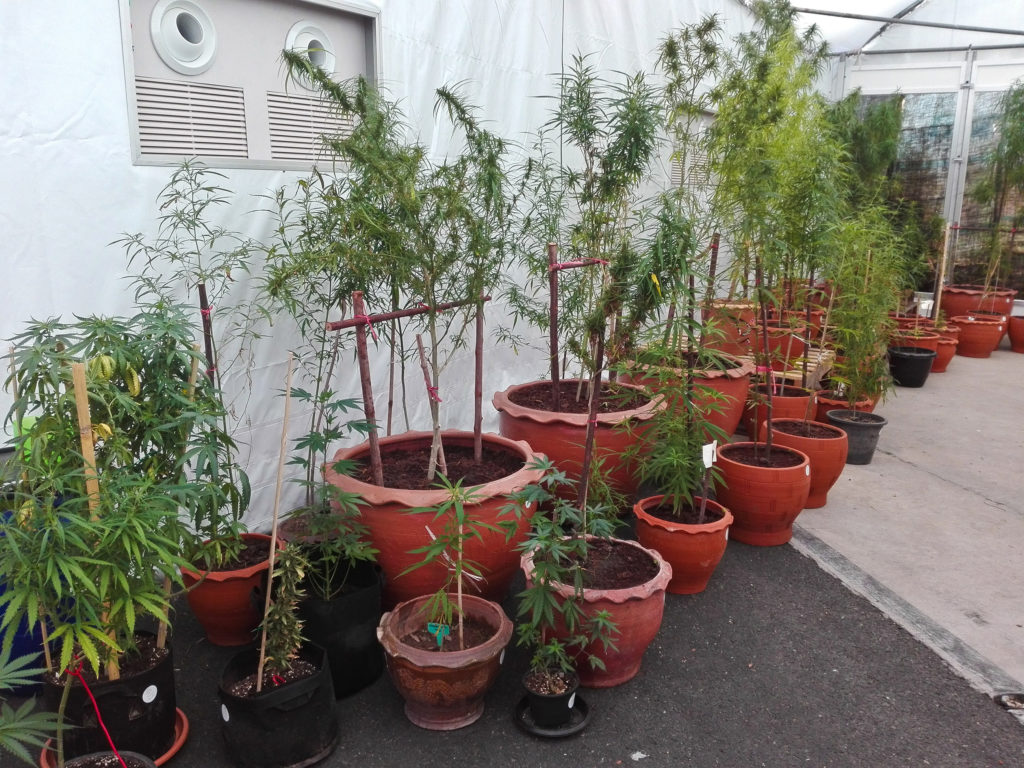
109,761
408,468
861,418
688,515
144,657
548,684
253,553
475,632
806,429
613,399
246,687
614,565
755,457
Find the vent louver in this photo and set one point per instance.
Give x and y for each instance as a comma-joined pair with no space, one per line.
297,124
186,118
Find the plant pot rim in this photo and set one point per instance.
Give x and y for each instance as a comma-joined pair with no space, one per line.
912,352
739,369
641,507
823,394
48,757
408,497
970,288
762,387
839,436
727,448
241,573
575,678
971,319
858,417
503,403
652,586
309,649
473,605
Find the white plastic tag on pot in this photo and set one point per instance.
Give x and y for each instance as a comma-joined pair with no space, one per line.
709,453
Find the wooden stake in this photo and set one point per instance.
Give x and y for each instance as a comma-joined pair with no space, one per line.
940,278
436,448
282,453
553,326
359,310
478,388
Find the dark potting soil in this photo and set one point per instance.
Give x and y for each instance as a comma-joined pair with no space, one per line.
614,399
475,633
806,429
688,515
108,761
548,684
780,389
861,417
408,468
615,565
252,553
141,659
755,457
246,687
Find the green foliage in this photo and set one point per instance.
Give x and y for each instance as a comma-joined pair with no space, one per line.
22,728
281,624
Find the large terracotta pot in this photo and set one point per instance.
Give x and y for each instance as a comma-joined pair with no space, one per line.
915,338
728,326
799,316
961,299
561,436
227,603
827,455
945,349
443,690
637,613
720,394
791,402
978,337
395,531
763,500
1016,330
693,550
785,343
827,400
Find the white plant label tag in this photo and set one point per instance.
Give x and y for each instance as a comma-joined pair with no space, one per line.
807,470
709,453
572,701
224,713
149,695
501,659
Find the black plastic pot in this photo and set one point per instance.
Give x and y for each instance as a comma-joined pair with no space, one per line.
862,430
346,628
292,725
138,711
551,710
132,759
910,365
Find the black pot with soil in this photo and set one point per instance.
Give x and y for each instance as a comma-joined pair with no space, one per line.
862,431
910,366
551,707
109,760
287,725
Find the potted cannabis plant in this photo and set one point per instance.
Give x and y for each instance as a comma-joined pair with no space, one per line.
25,727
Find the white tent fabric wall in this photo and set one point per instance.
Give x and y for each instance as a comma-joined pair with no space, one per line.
68,186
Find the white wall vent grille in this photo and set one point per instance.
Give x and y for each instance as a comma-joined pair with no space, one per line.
190,118
297,124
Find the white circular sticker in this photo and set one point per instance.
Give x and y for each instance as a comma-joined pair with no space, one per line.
807,470
149,695
572,701
501,659
224,713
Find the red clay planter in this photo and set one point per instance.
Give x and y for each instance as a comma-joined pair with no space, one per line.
763,500
1016,326
728,326
961,299
978,337
826,454
693,551
827,400
795,403
910,337
945,349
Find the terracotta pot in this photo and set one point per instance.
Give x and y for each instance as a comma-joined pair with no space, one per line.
827,456
862,431
48,756
561,436
394,531
796,403
728,326
944,352
722,406
637,613
978,337
961,299
910,338
827,400
799,316
443,690
949,332
763,500
693,551
785,342
227,603
1016,330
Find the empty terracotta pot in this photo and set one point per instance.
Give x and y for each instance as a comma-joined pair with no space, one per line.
944,352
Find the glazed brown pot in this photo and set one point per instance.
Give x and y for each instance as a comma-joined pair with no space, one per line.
827,400
827,455
961,299
945,350
693,551
797,403
978,337
395,531
224,601
728,326
763,500
1016,330
636,612
443,690
561,436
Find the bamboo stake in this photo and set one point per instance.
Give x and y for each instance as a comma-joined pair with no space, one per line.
359,310
940,278
273,526
436,447
591,438
553,326
478,388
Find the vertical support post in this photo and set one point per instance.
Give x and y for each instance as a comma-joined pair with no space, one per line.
553,326
359,310
478,385
940,277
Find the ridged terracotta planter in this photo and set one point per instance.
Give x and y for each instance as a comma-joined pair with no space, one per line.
723,407
223,601
784,406
785,342
561,436
826,400
763,500
978,337
911,338
394,531
1016,331
945,350
728,326
961,299
637,613
443,690
827,457
693,551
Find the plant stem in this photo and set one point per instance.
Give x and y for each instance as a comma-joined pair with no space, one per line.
478,387
436,448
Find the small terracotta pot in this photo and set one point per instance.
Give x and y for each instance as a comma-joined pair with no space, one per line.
443,690
828,400
978,337
949,332
944,353
796,403
785,342
1016,330
223,601
919,339
763,500
636,612
827,457
693,551
728,326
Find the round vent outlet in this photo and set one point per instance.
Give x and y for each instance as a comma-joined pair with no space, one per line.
311,40
183,36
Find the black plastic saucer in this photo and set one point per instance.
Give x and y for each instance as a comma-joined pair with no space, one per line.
578,719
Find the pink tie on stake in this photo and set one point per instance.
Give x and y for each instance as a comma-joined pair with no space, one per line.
77,672
369,324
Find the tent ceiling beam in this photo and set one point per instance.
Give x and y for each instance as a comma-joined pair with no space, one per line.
911,22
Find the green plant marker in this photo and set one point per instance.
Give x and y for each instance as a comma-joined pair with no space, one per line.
439,630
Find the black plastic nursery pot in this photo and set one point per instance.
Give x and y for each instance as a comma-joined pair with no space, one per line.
346,627
103,759
862,431
910,366
138,710
551,710
289,726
